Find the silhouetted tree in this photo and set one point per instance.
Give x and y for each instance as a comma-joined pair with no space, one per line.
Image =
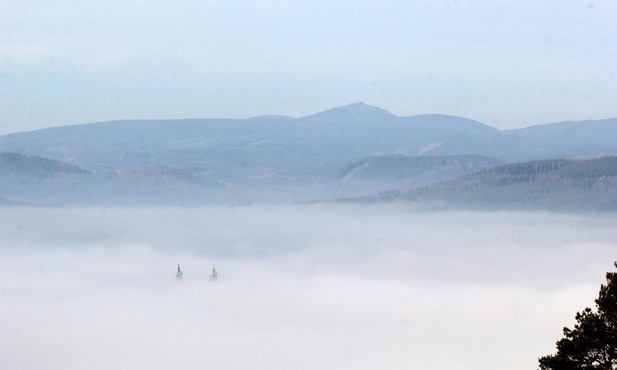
592,344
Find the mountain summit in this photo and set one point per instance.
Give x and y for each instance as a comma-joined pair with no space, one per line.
355,112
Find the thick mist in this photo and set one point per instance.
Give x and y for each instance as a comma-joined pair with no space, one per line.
300,287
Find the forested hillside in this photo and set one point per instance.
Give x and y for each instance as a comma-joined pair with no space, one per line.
36,180
20,165
560,184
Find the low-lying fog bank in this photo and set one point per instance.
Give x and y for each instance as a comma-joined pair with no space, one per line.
300,287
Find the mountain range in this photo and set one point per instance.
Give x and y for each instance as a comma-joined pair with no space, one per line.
349,151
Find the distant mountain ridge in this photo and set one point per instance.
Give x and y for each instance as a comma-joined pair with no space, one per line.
354,150
355,112
344,133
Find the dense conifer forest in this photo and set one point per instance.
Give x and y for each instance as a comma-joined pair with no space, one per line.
559,184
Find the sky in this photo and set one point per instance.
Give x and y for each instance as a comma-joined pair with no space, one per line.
505,63
302,287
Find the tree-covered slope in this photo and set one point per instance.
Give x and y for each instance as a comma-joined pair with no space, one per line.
13,164
375,174
562,184
42,181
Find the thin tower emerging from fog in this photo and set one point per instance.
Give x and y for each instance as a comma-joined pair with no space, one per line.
178,274
214,276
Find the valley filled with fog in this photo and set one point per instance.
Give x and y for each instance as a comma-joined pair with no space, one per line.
303,287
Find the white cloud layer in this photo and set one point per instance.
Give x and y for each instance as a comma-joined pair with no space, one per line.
328,287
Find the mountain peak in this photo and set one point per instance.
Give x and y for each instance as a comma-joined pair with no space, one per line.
354,112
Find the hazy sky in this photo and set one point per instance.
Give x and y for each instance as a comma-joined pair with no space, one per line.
319,287
505,63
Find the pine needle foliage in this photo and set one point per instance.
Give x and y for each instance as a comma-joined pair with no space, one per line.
592,343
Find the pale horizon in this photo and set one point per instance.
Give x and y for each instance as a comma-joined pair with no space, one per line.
281,115
505,64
